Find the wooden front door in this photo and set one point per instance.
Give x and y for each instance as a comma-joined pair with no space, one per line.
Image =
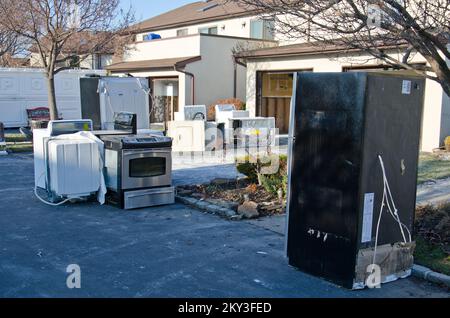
274,93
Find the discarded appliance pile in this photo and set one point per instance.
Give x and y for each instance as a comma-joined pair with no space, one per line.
192,132
352,172
111,153
72,161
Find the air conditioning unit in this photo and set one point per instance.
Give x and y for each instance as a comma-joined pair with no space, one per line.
73,168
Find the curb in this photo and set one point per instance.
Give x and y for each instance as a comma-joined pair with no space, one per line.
430,275
208,207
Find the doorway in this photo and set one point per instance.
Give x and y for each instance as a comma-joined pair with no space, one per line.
274,93
165,95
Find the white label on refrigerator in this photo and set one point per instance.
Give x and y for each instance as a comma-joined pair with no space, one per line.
406,88
369,200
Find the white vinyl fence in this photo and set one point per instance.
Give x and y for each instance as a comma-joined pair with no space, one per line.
22,89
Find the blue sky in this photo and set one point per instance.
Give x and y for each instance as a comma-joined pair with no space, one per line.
145,9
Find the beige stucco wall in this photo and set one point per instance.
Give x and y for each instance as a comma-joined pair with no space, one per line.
214,73
188,46
436,119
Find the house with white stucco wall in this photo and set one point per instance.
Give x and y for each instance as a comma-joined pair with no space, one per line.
193,55
187,54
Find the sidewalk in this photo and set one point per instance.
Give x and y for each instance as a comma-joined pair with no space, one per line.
434,193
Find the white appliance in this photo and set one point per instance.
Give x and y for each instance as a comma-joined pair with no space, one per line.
187,135
242,128
39,148
124,94
226,112
73,168
190,131
40,141
192,112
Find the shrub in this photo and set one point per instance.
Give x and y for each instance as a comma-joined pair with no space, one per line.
272,183
248,169
447,143
240,105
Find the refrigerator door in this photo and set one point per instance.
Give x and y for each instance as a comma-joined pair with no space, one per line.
323,216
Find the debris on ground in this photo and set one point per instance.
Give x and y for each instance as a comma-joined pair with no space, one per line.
248,210
248,199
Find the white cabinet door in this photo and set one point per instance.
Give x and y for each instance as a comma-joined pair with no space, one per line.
187,135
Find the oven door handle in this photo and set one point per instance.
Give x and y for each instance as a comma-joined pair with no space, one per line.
136,151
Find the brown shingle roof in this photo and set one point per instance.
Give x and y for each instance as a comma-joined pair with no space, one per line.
147,65
193,13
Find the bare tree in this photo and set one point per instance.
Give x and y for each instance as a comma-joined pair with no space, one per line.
374,26
10,44
50,25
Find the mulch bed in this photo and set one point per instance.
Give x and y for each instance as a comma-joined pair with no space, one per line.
432,223
237,192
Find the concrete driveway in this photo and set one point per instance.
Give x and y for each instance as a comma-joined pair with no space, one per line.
168,251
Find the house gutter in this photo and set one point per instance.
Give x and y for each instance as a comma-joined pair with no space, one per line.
177,69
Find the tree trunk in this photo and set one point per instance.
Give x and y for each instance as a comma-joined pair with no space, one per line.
52,97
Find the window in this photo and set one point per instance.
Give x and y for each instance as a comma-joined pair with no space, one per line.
277,84
209,30
101,61
262,29
182,32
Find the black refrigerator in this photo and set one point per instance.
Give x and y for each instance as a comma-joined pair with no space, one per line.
90,100
344,126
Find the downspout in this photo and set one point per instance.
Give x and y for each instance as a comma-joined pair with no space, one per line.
193,80
234,78
236,63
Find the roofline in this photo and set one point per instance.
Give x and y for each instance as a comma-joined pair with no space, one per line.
319,51
180,64
137,70
193,22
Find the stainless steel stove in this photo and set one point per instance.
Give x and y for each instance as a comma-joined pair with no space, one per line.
139,170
